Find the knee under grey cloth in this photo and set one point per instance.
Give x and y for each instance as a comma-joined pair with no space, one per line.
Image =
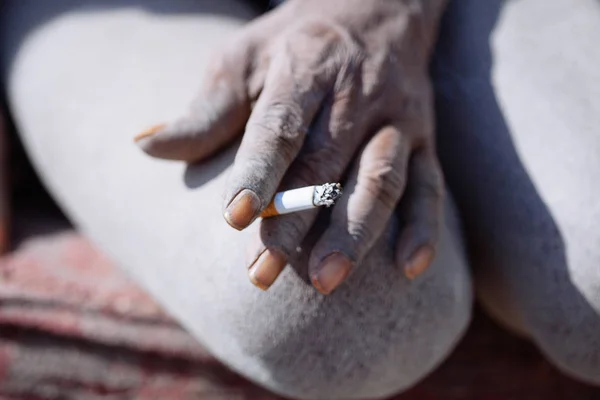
377,335
518,114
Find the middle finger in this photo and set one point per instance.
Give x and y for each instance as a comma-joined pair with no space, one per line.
328,150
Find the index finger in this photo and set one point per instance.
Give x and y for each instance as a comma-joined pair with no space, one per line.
294,90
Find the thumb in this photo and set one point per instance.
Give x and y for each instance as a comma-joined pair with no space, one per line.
216,117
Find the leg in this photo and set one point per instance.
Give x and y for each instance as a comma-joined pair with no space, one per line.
89,78
524,104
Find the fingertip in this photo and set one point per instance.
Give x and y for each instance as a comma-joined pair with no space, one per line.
419,261
266,269
243,209
149,141
331,272
148,132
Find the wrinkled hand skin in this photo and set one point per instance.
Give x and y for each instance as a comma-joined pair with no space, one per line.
324,90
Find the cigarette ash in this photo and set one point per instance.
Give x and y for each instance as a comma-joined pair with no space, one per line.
327,194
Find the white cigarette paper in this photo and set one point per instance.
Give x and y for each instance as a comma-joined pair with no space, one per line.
305,198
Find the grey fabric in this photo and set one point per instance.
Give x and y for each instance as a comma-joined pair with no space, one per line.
518,99
83,78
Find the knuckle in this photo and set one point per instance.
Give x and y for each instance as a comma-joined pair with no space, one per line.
284,119
231,60
361,237
280,126
326,46
319,31
385,182
393,182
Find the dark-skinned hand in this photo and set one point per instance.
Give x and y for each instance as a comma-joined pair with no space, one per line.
324,90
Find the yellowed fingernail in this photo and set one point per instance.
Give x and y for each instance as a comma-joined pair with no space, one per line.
265,270
242,210
419,262
148,132
331,272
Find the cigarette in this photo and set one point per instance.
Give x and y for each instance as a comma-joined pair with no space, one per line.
305,198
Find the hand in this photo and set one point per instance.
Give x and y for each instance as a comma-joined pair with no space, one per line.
340,86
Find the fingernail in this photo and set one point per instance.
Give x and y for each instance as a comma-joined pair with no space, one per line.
242,210
265,270
332,271
148,132
419,262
